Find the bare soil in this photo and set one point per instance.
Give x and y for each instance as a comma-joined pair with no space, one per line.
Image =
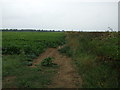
66,76
10,79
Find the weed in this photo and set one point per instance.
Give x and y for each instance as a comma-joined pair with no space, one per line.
48,62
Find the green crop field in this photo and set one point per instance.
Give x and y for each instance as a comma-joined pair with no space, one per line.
30,42
19,50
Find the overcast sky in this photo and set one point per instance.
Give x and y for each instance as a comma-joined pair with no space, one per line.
60,14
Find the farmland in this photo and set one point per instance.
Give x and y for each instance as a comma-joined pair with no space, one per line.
29,43
34,59
19,50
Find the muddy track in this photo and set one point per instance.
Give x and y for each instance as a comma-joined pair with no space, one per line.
66,76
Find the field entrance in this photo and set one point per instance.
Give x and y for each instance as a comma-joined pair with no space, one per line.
66,76
32,60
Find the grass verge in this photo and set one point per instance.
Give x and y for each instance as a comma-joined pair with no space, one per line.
96,57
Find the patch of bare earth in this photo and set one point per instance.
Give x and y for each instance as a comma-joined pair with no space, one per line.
9,79
66,76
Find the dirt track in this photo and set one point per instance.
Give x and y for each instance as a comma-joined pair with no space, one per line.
66,76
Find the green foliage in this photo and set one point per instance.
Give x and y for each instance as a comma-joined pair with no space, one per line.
65,50
25,77
95,55
19,49
37,69
30,43
48,62
10,65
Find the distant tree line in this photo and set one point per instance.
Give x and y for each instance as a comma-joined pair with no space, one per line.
38,30
30,30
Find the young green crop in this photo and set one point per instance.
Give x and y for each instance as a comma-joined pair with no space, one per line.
30,43
19,50
47,61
